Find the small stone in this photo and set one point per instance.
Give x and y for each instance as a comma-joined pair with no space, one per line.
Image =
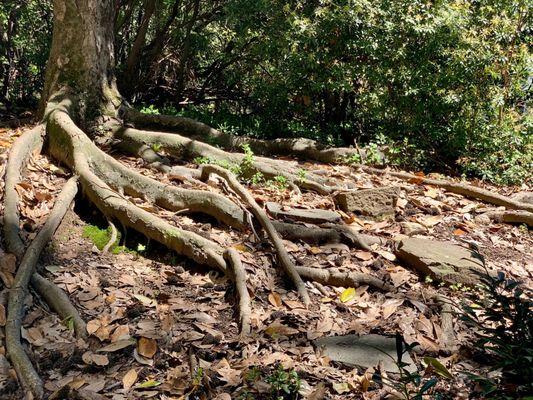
412,228
314,216
371,202
443,261
365,351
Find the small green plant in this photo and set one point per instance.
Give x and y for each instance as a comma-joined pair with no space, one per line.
247,168
156,147
202,160
150,110
413,385
284,385
352,159
280,182
503,321
302,175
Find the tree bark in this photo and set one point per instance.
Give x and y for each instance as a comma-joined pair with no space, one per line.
82,57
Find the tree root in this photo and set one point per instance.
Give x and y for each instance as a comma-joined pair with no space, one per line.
327,233
510,217
307,149
283,256
51,293
27,375
238,274
186,148
336,277
112,239
455,187
20,152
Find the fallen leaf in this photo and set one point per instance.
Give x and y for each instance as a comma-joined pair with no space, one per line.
275,299
363,255
146,347
129,379
438,367
148,384
93,325
347,295
118,345
146,301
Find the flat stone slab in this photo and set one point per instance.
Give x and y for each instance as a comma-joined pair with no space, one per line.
372,202
314,216
364,351
443,261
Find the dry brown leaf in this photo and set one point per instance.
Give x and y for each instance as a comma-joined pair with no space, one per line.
275,299
118,345
363,255
93,325
129,379
390,306
121,332
146,347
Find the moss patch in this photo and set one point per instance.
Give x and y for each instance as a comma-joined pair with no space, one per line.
99,237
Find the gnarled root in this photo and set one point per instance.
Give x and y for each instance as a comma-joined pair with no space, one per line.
113,239
20,152
327,233
510,217
283,256
307,149
336,277
238,275
27,375
187,148
457,188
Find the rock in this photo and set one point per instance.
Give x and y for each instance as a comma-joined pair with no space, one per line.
412,228
443,261
372,202
314,216
364,351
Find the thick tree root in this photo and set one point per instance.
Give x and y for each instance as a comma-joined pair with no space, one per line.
455,187
282,254
70,145
238,274
298,147
327,233
20,152
51,293
336,277
26,373
311,150
510,217
186,148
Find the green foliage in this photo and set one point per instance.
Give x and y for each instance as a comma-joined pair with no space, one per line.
503,321
414,385
443,85
100,237
283,384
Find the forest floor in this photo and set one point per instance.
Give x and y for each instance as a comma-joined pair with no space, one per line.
154,317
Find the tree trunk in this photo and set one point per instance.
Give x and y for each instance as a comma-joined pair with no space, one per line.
82,57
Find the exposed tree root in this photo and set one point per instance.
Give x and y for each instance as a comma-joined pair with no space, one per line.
510,217
327,233
282,254
311,150
112,239
51,293
299,147
457,188
336,277
238,274
26,373
20,152
186,148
